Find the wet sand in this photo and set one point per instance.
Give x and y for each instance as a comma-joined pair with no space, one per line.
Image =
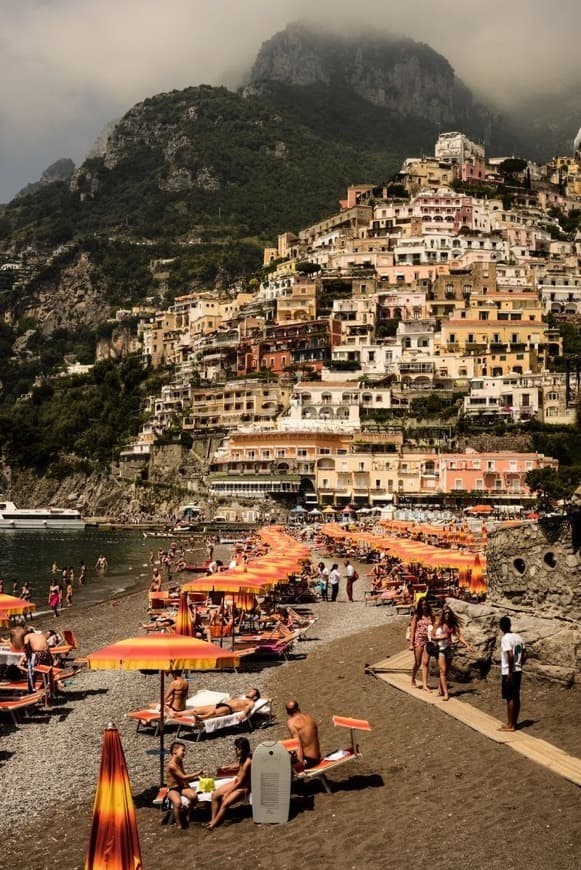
427,791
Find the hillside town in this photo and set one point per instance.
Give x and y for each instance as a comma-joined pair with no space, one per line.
341,377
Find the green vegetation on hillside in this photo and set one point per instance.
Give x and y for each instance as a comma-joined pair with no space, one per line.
77,422
209,158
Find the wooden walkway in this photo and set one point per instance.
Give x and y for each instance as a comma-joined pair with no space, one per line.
396,672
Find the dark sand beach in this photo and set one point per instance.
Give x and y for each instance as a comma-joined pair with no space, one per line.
427,792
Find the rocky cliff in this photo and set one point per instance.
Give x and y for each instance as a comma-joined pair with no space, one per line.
400,75
534,577
60,170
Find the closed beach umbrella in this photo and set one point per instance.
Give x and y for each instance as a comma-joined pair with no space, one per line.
184,622
11,606
162,652
114,841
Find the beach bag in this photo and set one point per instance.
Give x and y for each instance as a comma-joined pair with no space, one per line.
355,576
432,649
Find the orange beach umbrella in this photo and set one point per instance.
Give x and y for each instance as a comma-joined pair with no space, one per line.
184,622
162,652
114,841
11,606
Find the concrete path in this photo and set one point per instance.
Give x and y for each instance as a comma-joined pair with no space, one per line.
396,672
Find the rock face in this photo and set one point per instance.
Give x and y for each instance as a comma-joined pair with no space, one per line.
535,567
60,170
534,577
553,646
400,75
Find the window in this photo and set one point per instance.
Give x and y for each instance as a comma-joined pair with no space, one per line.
458,483
301,451
490,465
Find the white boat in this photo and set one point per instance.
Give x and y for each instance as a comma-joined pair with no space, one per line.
12,517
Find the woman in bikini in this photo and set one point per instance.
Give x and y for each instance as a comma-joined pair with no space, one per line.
238,789
422,621
177,694
446,634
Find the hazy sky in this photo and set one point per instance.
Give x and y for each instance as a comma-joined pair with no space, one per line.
69,66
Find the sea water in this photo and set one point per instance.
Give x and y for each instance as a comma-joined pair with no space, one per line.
29,555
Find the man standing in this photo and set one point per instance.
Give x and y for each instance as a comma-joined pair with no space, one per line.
334,578
304,729
350,577
513,657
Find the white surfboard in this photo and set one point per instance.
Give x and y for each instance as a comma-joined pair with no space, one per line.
271,783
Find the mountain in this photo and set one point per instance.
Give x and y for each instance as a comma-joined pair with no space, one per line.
549,122
318,112
403,77
60,170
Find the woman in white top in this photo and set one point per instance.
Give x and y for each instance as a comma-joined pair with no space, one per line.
446,634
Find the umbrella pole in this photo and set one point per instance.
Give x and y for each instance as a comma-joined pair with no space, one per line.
161,726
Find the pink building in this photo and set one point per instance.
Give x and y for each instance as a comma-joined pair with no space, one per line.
487,473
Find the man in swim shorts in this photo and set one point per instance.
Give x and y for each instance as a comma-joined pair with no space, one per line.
303,728
227,707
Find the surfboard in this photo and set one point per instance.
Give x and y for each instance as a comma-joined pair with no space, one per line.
271,783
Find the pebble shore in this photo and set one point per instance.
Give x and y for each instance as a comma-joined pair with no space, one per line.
58,753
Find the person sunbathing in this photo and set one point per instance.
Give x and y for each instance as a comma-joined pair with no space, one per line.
238,789
160,623
177,694
228,707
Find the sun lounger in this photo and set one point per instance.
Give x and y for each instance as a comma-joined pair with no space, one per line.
204,798
14,705
334,759
261,713
69,638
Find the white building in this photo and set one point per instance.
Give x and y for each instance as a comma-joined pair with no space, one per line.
457,148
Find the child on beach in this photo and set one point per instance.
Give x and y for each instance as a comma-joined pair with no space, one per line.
178,781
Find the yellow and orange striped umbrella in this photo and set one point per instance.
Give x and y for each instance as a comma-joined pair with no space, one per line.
225,581
162,652
114,841
184,621
11,606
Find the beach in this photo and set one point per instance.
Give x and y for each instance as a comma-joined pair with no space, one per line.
427,790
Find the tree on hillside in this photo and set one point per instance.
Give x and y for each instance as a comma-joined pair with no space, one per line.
551,485
512,166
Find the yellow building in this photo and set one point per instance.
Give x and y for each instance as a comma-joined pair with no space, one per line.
298,302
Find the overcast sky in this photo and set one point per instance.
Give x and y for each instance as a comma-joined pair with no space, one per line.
69,66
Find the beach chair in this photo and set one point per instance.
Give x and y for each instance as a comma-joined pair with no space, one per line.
69,638
260,716
14,706
334,759
204,798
